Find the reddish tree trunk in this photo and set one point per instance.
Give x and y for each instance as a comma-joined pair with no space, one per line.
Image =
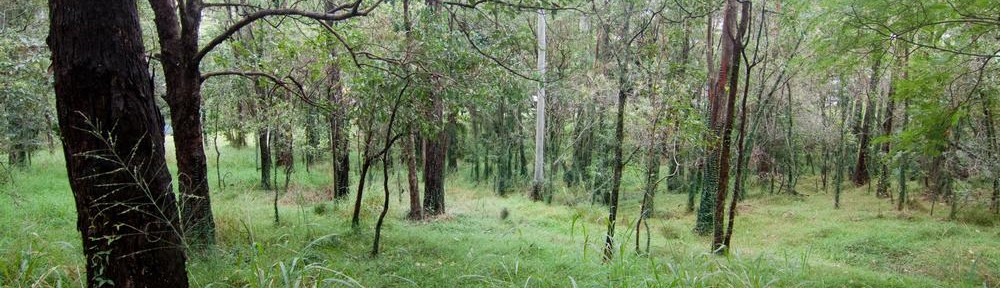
113,143
728,75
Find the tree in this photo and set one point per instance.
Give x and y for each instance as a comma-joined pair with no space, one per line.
728,75
339,141
539,181
113,143
717,152
177,25
436,145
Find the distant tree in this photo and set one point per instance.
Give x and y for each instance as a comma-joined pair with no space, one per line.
113,143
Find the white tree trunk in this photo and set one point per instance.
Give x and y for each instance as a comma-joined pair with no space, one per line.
540,111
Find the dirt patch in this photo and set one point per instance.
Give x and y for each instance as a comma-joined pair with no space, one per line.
297,195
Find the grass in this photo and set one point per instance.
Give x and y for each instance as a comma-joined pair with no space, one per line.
780,241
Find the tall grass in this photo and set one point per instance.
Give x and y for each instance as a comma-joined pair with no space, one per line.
779,241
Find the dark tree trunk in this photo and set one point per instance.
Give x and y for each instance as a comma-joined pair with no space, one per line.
179,47
437,147
385,201
646,208
18,155
113,133
436,144
339,141
366,161
616,177
339,123
738,185
264,143
882,190
861,175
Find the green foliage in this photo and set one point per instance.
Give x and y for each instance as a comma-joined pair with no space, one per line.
26,113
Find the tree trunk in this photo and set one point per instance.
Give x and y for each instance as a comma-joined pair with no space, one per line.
861,175
339,141
717,105
730,52
127,213
179,47
793,163
652,181
416,211
582,147
264,143
890,105
539,180
437,146
616,178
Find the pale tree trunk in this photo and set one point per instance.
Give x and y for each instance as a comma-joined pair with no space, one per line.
416,211
539,181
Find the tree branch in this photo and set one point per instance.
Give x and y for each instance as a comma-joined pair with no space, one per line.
336,14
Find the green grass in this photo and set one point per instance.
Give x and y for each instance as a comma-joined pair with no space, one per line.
780,241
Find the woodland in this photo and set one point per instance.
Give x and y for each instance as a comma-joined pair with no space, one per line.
499,143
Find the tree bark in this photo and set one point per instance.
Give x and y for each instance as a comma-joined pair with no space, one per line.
339,141
717,105
178,48
264,144
539,180
127,213
624,90
860,175
890,106
437,145
732,44
416,211
618,164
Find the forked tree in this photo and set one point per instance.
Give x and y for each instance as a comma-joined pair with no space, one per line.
112,134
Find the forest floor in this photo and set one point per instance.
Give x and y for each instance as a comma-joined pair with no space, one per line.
779,240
